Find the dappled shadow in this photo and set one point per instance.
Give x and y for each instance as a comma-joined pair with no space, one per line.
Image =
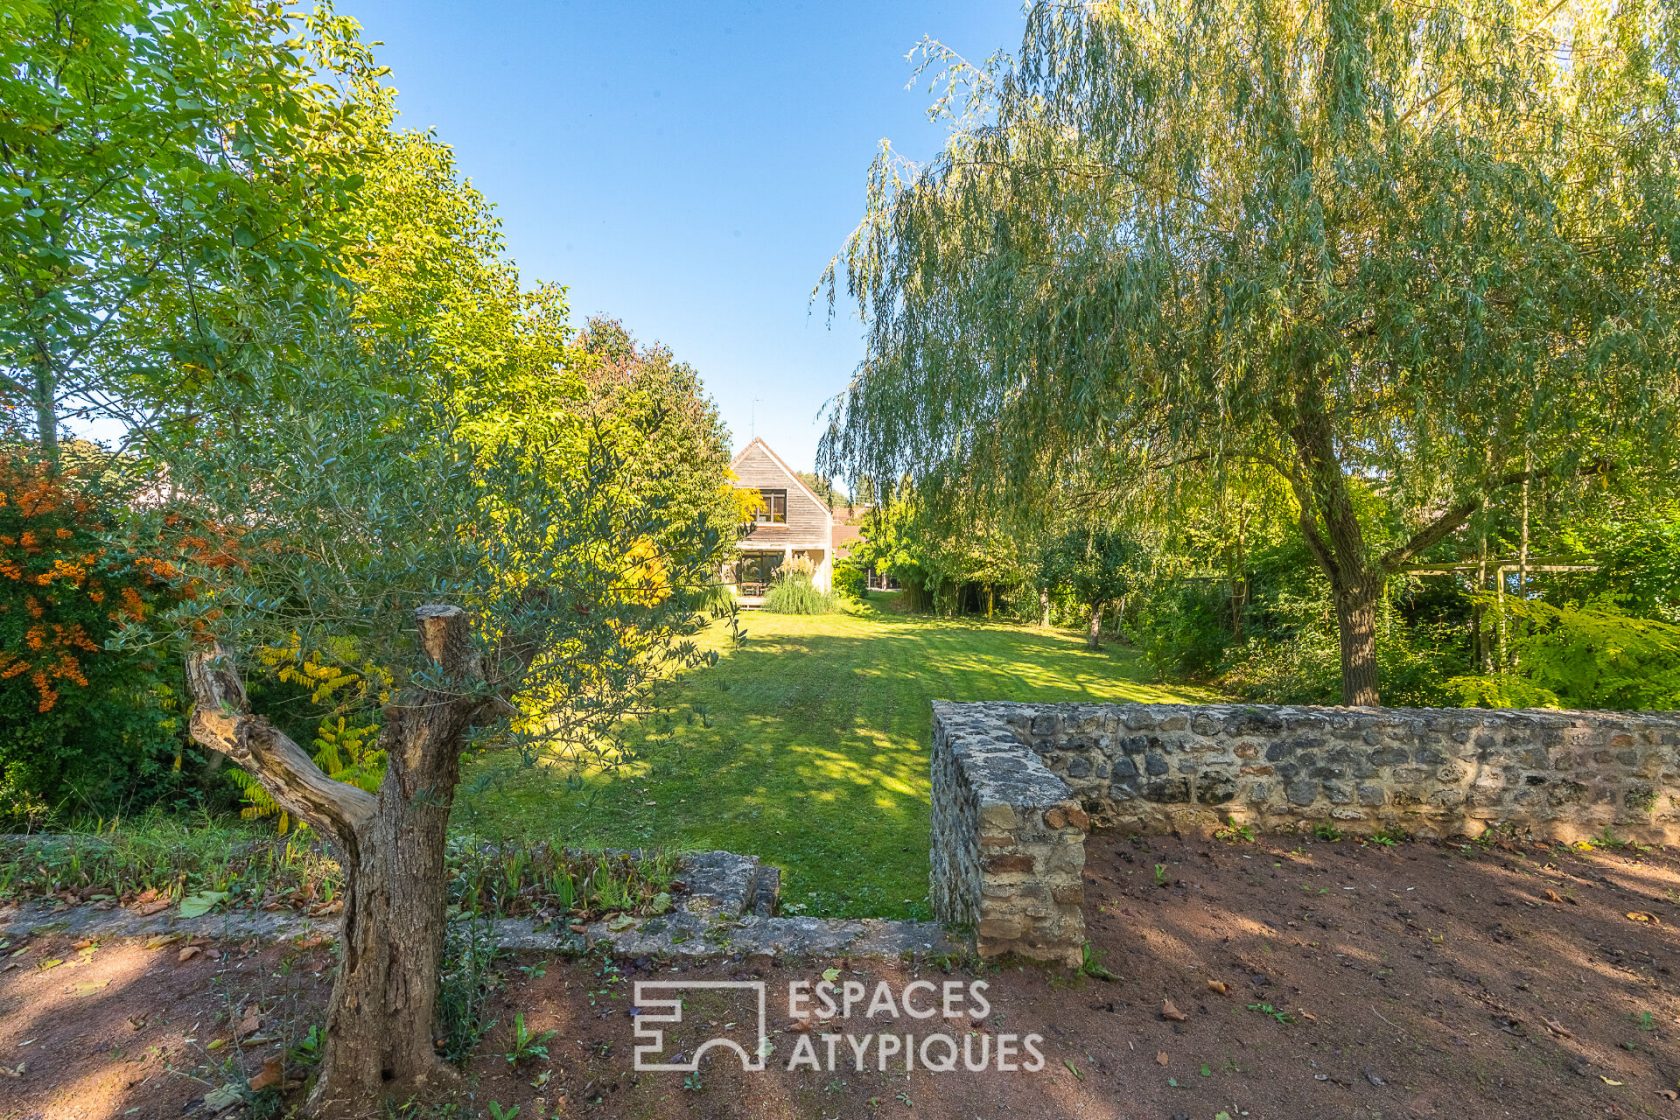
807,745
1418,980
93,1030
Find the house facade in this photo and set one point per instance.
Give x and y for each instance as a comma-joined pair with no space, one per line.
790,521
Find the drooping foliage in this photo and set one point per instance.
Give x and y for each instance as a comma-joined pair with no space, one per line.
1406,259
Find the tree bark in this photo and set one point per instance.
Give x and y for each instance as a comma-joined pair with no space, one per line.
1356,624
44,391
1093,635
1043,608
381,1022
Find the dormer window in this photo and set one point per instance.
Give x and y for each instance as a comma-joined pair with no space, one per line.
772,508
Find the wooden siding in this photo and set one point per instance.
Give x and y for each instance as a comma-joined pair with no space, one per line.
809,522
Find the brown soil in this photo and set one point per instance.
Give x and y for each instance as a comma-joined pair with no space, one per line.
1417,981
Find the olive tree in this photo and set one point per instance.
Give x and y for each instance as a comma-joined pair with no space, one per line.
498,567
1409,257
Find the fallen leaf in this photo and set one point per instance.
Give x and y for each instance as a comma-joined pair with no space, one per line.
266,1078
1161,1058
1643,916
1218,986
1307,1015
224,1098
200,904
250,1024
1073,1069
14,1073
1609,1081
1553,896
187,954
1172,1014
147,909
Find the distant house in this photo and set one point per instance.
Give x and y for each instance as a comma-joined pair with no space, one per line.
790,521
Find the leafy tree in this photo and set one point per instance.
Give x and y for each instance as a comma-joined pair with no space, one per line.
1098,567
151,156
447,549
1408,258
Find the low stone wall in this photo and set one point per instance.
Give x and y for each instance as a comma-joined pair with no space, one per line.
1014,784
1008,841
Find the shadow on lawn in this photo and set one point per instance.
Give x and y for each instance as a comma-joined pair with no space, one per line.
807,745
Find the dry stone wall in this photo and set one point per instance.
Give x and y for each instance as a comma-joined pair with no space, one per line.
1015,787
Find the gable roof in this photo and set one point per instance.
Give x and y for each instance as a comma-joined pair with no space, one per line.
793,475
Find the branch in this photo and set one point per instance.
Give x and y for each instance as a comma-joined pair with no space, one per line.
1443,526
222,722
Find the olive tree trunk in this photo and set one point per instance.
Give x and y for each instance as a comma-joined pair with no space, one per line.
1093,634
381,1022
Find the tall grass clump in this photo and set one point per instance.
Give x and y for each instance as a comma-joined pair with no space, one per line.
794,591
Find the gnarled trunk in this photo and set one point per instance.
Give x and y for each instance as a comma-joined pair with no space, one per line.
382,1019
1093,635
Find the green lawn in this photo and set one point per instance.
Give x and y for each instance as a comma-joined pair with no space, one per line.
812,752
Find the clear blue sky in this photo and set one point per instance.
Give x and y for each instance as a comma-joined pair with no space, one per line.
688,168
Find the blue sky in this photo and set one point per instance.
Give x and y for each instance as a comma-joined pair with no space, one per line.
687,168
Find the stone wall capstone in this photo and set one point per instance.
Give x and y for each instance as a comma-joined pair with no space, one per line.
1015,787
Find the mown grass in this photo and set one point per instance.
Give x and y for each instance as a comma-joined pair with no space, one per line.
807,745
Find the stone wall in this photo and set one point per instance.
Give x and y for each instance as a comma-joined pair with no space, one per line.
1008,841
1013,785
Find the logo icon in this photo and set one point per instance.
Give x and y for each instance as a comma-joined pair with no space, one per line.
660,1001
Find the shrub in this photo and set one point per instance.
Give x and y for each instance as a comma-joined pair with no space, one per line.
1589,656
81,727
1183,629
850,582
793,592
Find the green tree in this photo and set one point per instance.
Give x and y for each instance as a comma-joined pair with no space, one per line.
1407,258
152,156
507,606
1098,567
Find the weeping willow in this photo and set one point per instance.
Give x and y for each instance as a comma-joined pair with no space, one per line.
1416,252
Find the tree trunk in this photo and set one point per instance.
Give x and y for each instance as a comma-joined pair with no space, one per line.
1044,608
381,1022
1093,636
1356,623
44,390
382,1019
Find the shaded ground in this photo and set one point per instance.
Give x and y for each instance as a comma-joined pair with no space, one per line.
1414,981
807,746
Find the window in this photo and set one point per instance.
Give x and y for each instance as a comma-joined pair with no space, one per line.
772,508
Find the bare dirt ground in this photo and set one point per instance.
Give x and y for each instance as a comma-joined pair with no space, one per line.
1359,981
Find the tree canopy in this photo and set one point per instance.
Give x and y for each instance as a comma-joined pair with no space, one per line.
1408,258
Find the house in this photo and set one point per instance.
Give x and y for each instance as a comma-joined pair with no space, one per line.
790,521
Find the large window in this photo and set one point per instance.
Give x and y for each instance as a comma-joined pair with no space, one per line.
772,508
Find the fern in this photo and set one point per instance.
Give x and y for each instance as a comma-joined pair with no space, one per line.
346,740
